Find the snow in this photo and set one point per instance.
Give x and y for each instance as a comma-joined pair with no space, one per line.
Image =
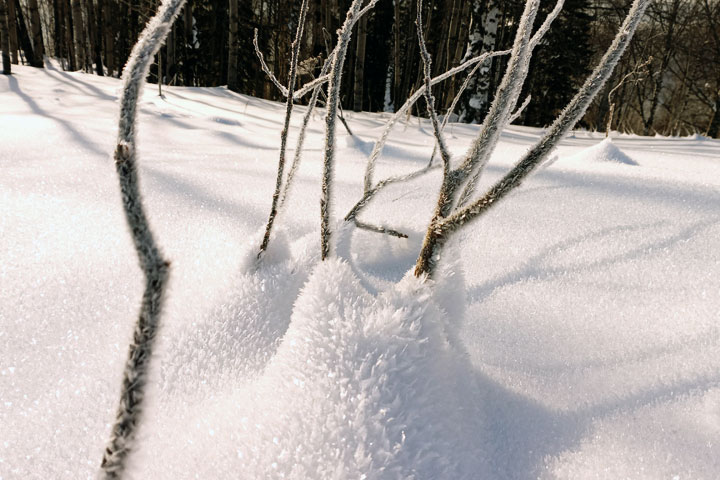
576,336
605,151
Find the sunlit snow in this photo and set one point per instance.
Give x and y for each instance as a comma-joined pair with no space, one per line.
576,337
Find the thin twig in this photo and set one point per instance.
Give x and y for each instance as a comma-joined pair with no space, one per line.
292,75
376,229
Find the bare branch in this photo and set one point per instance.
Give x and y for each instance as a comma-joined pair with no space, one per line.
503,104
429,99
310,86
301,135
367,196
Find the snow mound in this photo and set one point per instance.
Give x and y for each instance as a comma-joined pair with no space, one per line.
240,334
361,386
604,152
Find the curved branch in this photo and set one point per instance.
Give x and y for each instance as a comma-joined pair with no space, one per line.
154,266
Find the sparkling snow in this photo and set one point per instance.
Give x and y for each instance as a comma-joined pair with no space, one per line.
577,337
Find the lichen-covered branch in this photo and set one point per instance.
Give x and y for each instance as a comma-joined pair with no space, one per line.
154,266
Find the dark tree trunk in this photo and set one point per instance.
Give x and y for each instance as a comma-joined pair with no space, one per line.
25,42
106,11
68,29
78,34
5,39
95,37
38,45
360,64
232,75
12,31
713,130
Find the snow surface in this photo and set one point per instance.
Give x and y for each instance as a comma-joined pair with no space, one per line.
576,337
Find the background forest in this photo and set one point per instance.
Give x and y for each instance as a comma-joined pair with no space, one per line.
668,83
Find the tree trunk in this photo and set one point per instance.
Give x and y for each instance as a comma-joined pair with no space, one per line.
170,57
714,126
67,21
189,45
360,64
38,45
12,31
25,42
232,76
78,34
481,96
397,79
106,10
57,30
4,39
95,36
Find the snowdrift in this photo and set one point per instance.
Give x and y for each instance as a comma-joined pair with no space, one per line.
360,386
583,341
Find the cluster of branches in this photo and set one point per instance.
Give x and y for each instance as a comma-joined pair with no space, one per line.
459,202
210,43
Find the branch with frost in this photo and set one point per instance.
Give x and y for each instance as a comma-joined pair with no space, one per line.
440,231
155,267
333,101
301,135
457,176
519,110
501,107
351,216
429,99
370,190
292,76
297,94
380,144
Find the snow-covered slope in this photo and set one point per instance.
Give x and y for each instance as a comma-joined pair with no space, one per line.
589,345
